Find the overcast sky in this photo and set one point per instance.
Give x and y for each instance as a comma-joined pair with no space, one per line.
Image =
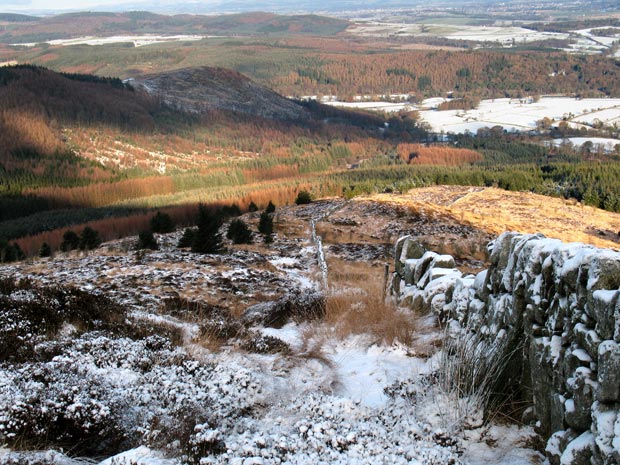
47,5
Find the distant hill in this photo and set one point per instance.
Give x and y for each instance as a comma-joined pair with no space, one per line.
205,88
17,18
104,24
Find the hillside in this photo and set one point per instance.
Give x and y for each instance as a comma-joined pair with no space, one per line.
496,211
205,88
24,29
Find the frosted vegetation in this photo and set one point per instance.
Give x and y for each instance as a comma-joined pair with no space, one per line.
112,363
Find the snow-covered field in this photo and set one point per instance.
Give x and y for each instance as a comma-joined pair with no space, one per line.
503,35
387,107
582,41
523,114
136,40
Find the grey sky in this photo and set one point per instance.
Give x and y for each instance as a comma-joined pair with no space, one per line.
42,5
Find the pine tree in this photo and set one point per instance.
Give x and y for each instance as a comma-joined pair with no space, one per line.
207,238
265,226
271,208
146,240
162,223
303,197
90,239
45,250
70,241
187,239
253,208
239,232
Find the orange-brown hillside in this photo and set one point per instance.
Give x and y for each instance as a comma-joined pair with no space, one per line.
496,211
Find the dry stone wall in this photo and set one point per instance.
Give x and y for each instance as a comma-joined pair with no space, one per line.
560,304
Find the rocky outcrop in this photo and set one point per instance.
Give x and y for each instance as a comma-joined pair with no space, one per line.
560,304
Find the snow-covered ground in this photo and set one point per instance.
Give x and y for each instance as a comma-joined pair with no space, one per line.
323,400
137,40
582,41
606,144
522,114
504,35
387,107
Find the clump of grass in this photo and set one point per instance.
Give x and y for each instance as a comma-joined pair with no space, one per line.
475,378
366,312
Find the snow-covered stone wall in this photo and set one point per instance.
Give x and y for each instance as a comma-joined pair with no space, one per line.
560,304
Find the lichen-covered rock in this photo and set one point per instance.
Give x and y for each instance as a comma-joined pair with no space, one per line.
579,451
608,372
606,430
603,304
579,408
406,248
421,276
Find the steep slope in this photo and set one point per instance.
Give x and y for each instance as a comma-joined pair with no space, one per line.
205,88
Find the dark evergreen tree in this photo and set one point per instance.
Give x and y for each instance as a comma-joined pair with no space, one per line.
271,208
162,223
239,232
89,239
252,207
70,241
146,240
187,239
45,250
12,253
207,238
303,197
265,226
230,211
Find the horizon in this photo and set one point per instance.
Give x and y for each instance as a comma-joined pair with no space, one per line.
42,7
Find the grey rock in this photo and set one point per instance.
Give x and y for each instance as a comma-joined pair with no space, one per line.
423,266
579,450
579,408
603,303
608,372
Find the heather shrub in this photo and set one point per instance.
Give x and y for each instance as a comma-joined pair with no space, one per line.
30,314
60,405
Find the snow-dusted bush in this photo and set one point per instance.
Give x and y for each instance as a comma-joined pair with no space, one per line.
61,404
30,314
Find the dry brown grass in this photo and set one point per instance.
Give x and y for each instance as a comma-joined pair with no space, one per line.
357,304
497,211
